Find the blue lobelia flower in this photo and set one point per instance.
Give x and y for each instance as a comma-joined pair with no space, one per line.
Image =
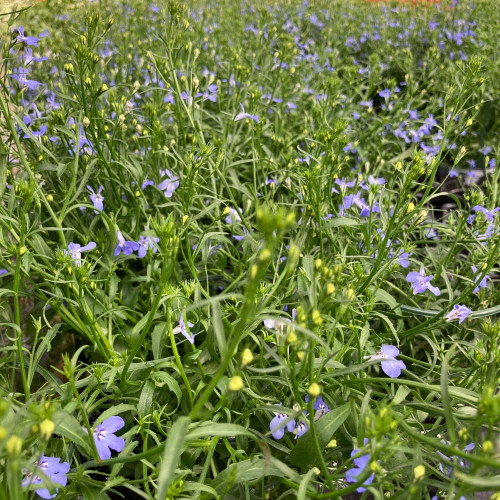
278,426
460,312
127,247
21,38
420,282
301,428
75,251
21,76
168,185
482,283
320,406
386,93
448,469
361,463
105,438
181,328
243,115
3,271
146,242
97,199
390,365
54,469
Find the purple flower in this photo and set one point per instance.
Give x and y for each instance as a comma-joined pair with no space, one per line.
146,242
488,214
361,463
460,312
448,469
105,439
386,93
3,271
243,115
75,251
276,427
343,185
301,428
232,217
127,247
168,185
420,282
482,283
97,199
21,77
390,365
54,469
320,406
21,38
181,328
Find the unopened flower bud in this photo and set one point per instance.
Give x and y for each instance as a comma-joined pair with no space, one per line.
314,390
236,383
419,472
86,122
14,446
246,357
410,208
47,428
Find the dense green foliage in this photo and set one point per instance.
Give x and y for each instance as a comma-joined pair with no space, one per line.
249,238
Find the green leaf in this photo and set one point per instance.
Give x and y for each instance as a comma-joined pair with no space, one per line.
171,455
68,426
341,221
207,429
304,483
146,398
251,470
304,452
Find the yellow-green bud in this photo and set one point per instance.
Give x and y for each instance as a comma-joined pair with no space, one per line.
410,208
314,390
246,357
419,472
316,318
14,445
291,338
50,198
330,288
22,250
318,263
236,383
265,255
47,428
332,444
184,219
487,446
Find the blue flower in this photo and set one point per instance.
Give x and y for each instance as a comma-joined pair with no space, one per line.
420,282
146,242
243,115
21,75
301,428
75,251
386,93
54,469
277,428
390,365
460,312
181,328
320,406
233,216
127,247
361,463
105,438
97,199
21,38
168,185
482,283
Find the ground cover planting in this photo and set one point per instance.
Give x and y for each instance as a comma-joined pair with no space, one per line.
249,250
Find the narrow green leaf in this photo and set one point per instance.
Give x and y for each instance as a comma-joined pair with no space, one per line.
68,426
304,452
171,455
146,398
